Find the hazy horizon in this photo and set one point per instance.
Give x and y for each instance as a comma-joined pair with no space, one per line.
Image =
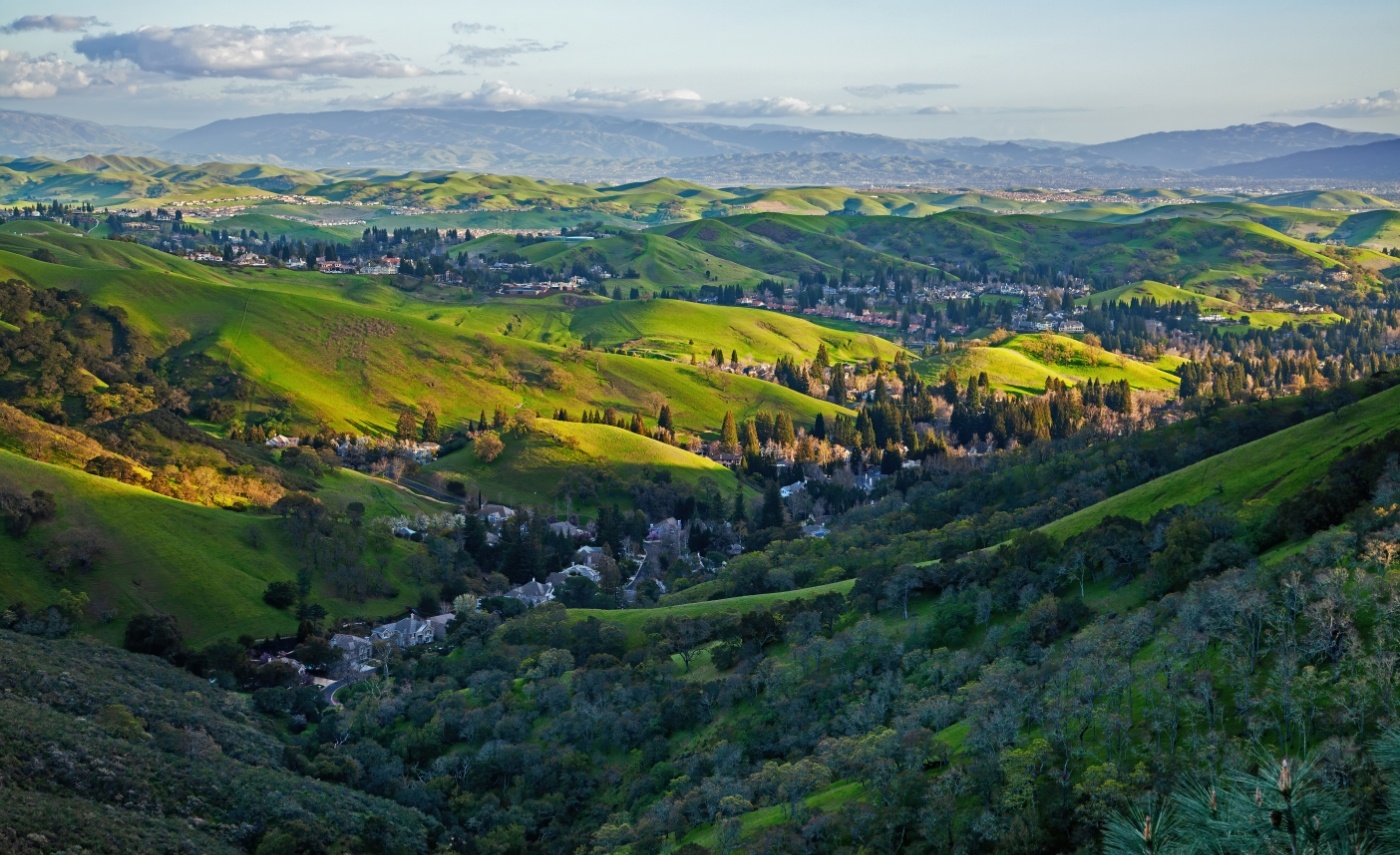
1087,71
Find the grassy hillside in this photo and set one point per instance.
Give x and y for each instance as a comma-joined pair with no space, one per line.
199,564
634,622
667,327
1373,229
1326,199
724,239
532,467
1196,251
833,241
1254,477
169,763
658,261
691,328
292,230
1158,291
1023,364
354,353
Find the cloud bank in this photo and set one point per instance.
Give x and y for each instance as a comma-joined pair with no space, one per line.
496,56
53,23
278,53
26,76
658,103
883,91
1385,103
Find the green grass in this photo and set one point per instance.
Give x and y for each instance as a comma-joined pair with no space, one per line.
757,820
1254,477
381,498
1325,199
531,468
634,621
1373,229
164,555
292,230
353,352
674,328
1159,291
1022,365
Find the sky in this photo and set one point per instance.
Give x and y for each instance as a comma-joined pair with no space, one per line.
1074,70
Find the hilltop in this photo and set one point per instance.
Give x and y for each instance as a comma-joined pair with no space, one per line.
609,460
1023,365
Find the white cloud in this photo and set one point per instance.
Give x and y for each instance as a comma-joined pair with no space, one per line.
56,23
471,29
881,90
939,110
496,56
25,76
652,103
1385,103
280,53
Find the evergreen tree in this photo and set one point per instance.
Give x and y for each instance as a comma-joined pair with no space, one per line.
663,419
407,427
771,515
752,447
430,427
729,434
838,386
783,432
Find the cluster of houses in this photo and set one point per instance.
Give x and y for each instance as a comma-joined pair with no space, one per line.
407,632
385,266
885,315
541,289
534,593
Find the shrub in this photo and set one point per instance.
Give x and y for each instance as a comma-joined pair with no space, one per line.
280,595
155,635
488,446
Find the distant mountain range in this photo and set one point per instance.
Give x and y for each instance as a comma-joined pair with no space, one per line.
576,147
1198,150
1377,161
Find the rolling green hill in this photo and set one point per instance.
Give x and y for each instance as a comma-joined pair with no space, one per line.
1254,477
163,555
722,239
1159,291
1195,250
1373,229
353,353
658,261
671,327
532,467
276,227
1326,199
1022,365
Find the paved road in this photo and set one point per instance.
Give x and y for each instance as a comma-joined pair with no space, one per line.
329,692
